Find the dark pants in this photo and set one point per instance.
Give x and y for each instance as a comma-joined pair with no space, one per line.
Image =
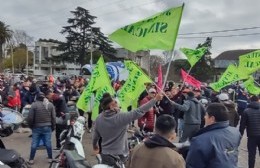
252,144
59,129
81,112
189,130
89,121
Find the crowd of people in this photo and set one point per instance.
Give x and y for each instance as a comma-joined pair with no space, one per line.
209,120
212,122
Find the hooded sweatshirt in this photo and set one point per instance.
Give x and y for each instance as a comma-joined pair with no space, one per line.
251,120
156,152
193,110
232,113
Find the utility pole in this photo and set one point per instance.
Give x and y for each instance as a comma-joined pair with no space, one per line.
91,50
26,56
12,55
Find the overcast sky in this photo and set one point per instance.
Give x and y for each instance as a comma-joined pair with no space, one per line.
45,18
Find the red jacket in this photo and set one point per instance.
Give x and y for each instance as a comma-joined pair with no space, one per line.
148,118
16,100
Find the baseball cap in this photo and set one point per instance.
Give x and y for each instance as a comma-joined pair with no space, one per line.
152,90
223,97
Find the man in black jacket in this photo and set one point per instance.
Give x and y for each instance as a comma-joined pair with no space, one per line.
41,120
251,121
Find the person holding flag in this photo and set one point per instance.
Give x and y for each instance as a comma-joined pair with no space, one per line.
112,125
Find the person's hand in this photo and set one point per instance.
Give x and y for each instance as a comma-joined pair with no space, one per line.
158,97
95,151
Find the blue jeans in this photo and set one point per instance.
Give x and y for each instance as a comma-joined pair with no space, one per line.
39,133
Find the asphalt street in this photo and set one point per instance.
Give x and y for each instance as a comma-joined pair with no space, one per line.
21,143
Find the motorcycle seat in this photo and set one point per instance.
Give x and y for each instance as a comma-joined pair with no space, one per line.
75,160
8,156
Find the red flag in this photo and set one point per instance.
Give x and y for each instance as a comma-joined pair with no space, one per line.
190,80
160,77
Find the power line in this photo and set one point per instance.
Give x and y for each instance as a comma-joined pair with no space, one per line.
221,31
220,36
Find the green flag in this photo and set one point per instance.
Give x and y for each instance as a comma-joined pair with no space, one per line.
194,55
251,87
156,32
250,62
99,78
232,74
107,88
133,87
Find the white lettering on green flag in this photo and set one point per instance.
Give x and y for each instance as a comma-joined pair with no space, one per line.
250,62
194,55
156,32
251,87
133,87
232,74
99,78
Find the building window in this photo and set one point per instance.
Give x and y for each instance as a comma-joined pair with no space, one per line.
36,68
44,68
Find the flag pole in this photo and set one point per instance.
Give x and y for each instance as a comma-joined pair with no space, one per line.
172,52
183,83
168,68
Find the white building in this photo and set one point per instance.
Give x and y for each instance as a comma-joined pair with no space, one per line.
142,58
43,64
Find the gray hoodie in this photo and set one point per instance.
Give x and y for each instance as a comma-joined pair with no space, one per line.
112,127
193,110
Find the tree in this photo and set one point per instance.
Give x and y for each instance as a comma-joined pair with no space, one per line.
21,37
205,64
5,36
79,35
19,58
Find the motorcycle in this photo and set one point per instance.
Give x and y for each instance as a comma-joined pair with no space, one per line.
10,120
183,148
72,154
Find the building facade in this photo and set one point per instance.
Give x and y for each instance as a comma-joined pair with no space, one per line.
43,63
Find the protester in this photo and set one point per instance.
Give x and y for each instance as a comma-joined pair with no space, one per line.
23,93
193,110
41,120
111,125
71,93
231,106
251,122
241,99
14,99
61,109
3,92
146,122
158,151
216,145
165,106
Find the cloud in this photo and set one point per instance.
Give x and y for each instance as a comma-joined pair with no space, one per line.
45,19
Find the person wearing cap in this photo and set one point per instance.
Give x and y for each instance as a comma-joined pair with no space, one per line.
42,121
112,125
251,122
231,107
215,145
146,122
193,110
